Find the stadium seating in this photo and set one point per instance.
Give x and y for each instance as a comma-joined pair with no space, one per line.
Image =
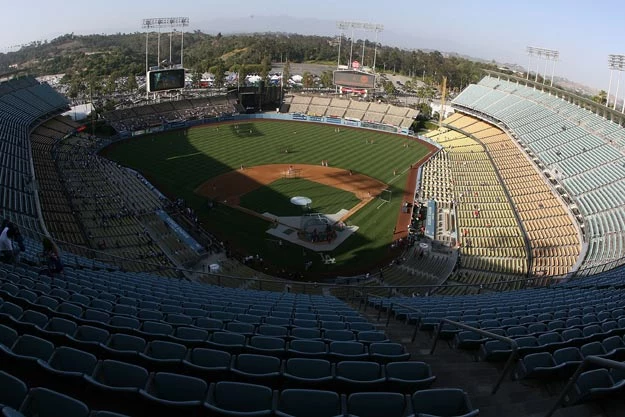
491,239
544,218
579,150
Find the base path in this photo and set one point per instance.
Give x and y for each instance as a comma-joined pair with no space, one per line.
229,187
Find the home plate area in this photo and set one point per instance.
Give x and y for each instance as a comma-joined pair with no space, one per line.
317,232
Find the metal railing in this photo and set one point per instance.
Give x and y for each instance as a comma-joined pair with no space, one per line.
586,363
513,345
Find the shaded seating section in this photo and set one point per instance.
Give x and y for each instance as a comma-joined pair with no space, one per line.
140,345
23,102
151,115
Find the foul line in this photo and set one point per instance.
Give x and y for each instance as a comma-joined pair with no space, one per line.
184,156
397,176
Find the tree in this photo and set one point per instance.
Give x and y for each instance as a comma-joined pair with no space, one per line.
601,98
389,88
425,111
326,78
111,84
131,83
286,73
307,79
196,77
265,68
219,71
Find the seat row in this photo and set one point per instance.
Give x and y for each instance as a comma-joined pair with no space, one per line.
497,350
37,358
563,362
175,395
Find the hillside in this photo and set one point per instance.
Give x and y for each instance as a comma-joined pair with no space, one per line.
120,54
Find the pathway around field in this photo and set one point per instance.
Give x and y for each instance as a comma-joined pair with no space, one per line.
229,187
404,219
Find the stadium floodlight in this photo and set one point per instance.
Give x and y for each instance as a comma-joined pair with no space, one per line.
159,23
615,63
344,25
542,54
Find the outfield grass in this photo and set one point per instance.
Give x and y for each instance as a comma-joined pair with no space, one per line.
276,198
178,162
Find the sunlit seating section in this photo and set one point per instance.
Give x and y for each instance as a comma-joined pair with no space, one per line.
553,237
488,232
582,150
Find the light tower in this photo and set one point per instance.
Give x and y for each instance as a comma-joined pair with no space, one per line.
615,63
160,23
545,55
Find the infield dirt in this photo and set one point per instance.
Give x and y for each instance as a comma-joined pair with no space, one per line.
229,187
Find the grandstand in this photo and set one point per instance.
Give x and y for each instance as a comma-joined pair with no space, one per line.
488,232
101,337
380,113
552,236
578,151
151,115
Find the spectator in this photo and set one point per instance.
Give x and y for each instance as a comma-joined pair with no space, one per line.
7,251
53,258
14,234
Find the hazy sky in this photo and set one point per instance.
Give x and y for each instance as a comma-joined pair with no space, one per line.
584,32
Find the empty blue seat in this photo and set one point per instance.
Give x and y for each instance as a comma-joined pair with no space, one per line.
372,337
225,399
88,338
338,335
124,322
189,336
308,372
123,346
230,342
272,331
13,391
592,385
308,348
119,380
348,351
208,364
163,356
567,360
42,402
209,324
259,369
152,329
309,333
356,376
8,336
376,404
361,327
265,345
308,403
442,402
388,352
176,394
25,353
536,365
409,376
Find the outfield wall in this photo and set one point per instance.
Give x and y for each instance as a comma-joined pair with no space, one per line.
279,116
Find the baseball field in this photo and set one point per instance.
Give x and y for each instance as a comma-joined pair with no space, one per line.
247,167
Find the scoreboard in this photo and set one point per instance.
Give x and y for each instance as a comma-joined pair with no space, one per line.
161,80
354,79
